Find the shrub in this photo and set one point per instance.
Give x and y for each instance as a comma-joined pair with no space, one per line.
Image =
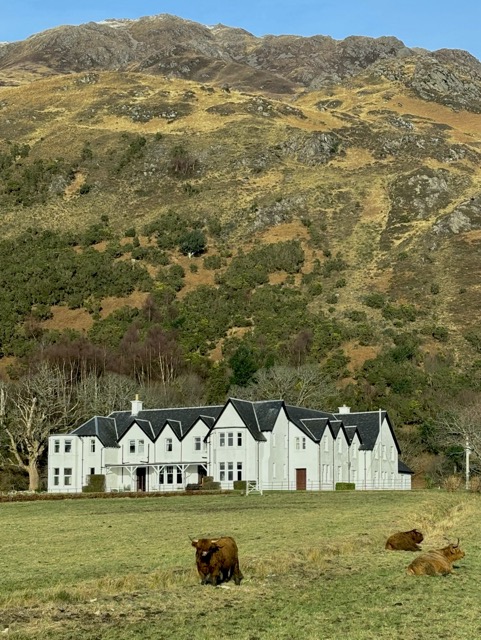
240,485
212,262
211,486
453,483
193,243
375,300
345,486
96,484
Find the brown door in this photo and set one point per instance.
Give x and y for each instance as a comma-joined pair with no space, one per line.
141,478
301,479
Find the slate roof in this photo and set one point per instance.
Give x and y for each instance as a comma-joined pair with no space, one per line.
112,428
259,417
403,468
103,428
368,424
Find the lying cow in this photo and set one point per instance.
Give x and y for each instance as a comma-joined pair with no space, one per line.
438,562
217,560
405,541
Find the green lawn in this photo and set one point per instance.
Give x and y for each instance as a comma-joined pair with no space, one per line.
314,565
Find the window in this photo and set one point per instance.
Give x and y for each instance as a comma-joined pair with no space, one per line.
222,471
230,439
179,475
141,446
392,454
56,446
326,444
197,443
92,471
230,471
92,446
221,439
68,446
298,443
239,438
273,469
168,444
239,471
56,477
339,444
383,451
132,446
67,476
166,475
303,443
353,450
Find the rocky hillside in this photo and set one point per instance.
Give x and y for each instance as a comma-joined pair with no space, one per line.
300,196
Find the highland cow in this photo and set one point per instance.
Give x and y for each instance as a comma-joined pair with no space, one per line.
438,562
405,541
217,560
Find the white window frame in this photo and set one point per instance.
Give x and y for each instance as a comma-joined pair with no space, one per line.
56,446
230,471
68,446
132,447
169,444
297,442
230,439
239,438
239,471
141,446
56,477
92,446
221,439
222,471
197,443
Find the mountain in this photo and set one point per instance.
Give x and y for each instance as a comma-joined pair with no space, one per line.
309,199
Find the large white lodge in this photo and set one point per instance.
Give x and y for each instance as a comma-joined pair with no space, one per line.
274,445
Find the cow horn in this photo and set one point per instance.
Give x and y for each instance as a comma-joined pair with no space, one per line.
457,543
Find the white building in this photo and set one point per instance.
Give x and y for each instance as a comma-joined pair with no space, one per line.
275,445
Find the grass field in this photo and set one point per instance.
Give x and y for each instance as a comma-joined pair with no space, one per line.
314,565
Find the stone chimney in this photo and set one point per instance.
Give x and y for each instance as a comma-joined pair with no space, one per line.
136,405
344,409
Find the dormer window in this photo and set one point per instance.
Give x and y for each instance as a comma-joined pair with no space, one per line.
168,444
132,446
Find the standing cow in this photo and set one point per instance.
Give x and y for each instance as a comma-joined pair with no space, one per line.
438,562
217,560
405,541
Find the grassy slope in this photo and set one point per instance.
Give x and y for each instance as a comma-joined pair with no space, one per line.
57,116
314,567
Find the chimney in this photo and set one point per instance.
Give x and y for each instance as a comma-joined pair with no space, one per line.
136,405
344,409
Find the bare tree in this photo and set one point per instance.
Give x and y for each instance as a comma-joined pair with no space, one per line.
460,425
303,386
39,404
100,395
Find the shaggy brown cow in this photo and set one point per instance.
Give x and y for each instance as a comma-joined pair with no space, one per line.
438,562
217,560
405,541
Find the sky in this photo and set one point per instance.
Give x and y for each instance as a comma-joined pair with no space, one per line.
430,24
